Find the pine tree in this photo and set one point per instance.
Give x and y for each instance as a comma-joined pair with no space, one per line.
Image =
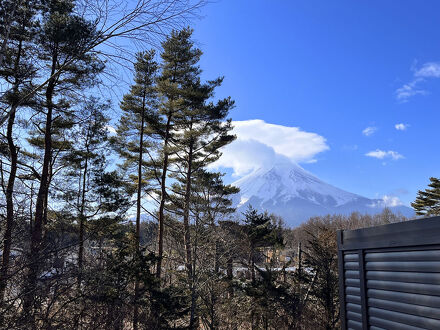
84,164
259,232
201,130
178,68
427,202
210,204
62,36
18,71
9,12
132,134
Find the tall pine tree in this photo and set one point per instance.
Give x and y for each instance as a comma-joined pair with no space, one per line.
427,202
18,71
131,141
63,35
178,68
201,130
84,164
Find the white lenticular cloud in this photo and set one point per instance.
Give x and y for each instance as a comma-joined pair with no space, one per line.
261,144
369,131
381,154
401,127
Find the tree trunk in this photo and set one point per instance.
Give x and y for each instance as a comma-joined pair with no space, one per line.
163,198
186,206
187,236
82,219
7,240
29,303
192,280
138,214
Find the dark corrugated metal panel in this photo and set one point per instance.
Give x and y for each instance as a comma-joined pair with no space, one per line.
433,255
420,288
353,299
409,233
351,257
352,291
390,325
409,298
354,308
411,277
354,316
405,308
351,274
354,325
402,290
390,276
353,282
407,319
402,266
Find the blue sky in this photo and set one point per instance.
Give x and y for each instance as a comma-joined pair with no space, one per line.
336,68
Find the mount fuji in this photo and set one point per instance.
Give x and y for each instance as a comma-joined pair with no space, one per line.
287,190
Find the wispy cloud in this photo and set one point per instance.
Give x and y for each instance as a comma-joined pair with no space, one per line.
401,127
261,144
387,201
369,131
408,90
381,154
427,71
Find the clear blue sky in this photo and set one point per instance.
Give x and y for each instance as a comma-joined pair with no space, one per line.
335,68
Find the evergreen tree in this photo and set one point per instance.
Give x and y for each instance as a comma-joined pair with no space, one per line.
63,36
18,71
9,12
132,133
200,131
427,202
259,232
85,163
178,68
210,204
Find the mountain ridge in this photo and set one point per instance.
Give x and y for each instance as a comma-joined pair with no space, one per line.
286,189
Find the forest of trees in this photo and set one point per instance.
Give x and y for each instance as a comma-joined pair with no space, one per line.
115,221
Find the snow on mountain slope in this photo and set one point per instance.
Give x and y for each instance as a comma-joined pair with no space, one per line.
290,191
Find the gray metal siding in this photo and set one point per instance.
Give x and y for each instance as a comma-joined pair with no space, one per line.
390,280
353,309
390,275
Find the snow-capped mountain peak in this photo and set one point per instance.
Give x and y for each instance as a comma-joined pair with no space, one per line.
288,190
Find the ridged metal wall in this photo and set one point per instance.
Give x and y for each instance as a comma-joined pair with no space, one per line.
391,286
353,291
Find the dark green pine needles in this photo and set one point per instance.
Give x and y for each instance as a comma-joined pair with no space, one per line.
427,202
